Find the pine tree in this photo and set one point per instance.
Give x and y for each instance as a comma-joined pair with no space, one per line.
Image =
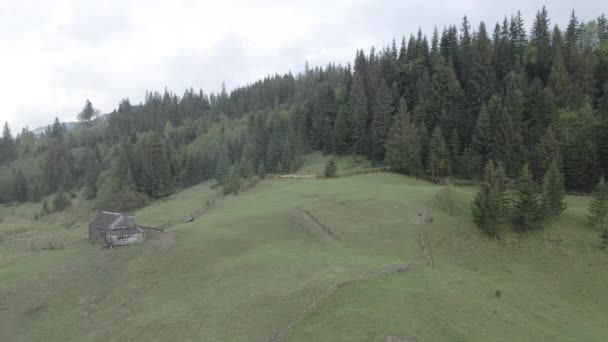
360,116
439,157
330,168
483,142
8,150
222,166
540,40
548,150
518,38
491,203
554,193
20,188
87,114
233,185
92,169
61,201
382,111
403,147
559,81
45,207
342,132
508,140
527,210
598,208
157,180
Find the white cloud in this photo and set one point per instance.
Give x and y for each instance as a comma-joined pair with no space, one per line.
56,54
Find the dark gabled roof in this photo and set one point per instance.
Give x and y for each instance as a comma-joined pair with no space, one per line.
124,231
109,220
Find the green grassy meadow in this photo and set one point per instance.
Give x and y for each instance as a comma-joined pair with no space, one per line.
252,261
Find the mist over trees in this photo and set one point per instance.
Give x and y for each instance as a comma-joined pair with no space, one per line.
428,106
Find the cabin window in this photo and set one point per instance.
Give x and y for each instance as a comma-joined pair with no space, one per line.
124,237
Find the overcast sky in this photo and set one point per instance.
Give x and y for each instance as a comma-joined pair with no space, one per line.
56,54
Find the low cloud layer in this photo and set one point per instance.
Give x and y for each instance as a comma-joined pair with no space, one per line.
54,55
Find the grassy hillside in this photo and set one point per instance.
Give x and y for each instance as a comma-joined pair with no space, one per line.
237,273
252,261
552,287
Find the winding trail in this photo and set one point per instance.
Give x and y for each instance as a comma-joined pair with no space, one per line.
320,224
422,240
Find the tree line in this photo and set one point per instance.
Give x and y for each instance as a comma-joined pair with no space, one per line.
427,106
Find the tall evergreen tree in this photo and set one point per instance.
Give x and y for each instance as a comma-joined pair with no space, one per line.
527,210
598,208
403,147
540,41
342,131
483,142
20,188
382,111
222,166
7,145
547,151
518,39
491,203
559,81
438,157
360,116
554,193
87,114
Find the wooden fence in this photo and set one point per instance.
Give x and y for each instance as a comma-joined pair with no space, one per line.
336,285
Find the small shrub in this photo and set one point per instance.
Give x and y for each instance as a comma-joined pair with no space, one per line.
45,207
331,168
89,193
498,294
61,201
604,237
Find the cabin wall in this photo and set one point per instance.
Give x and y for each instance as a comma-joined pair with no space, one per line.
126,239
96,235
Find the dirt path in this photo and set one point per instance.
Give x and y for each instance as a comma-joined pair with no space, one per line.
319,224
422,239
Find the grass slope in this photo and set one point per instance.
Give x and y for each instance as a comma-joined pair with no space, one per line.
553,287
236,274
252,261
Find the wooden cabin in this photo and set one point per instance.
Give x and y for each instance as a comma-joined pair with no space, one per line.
115,229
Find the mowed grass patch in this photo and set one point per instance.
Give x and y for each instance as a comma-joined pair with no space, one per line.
237,273
314,164
546,285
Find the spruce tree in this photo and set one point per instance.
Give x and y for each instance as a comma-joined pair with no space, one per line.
508,140
330,168
20,188
598,208
8,150
342,132
540,40
439,156
87,114
382,111
61,201
360,116
527,209
491,203
222,166
554,193
403,147
548,150
559,81
483,142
